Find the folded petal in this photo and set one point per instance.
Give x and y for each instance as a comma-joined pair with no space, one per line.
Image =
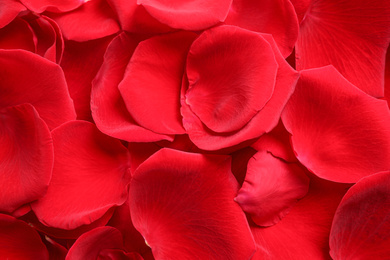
338,132
28,78
26,156
20,241
108,108
17,35
90,176
40,6
350,35
195,216
361,225
9,9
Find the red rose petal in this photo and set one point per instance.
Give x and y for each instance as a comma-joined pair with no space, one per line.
84,190
202,13
56,250
338,132
227,83
301,7
387,77
19,241
304,232
194,216
355,44
28,78
361,225
39,6
271,188
108,108
17,35
26,156
117,254
152,82
276,17
94,19
9,9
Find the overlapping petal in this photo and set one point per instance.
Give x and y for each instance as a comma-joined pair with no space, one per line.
194,216
338,132
9,9
96,180
40,6
17,35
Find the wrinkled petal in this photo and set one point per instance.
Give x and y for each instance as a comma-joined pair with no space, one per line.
26,156
338,132
271,188
84,190
39,6
195,216
17,35
202,13
28,78
276,17
108,108
151,85
20,241
361,224
350,35
9,9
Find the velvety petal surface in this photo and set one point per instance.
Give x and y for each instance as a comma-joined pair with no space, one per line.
26,156
338,132
176,13
276,17
195,216
271,188
9,9
17,35
350,35
361,225
151,85
28,78
20,241
108,108
84,190
39,6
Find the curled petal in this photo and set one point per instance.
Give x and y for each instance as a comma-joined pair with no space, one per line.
40,6
17,35
9,9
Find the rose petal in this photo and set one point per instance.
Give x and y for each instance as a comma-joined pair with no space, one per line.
117,254
19,241
194,216
361,223
301,7
176,14
108,108
9,9
355,44
338,132
151,85
276,17
39,6
56,250
26,156
271,188
17,35
84,190
28,78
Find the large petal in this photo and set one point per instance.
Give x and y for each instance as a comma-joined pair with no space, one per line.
28,78
90,176
361,225
26,156
350,35
194,216
152,82
20,241
338,132
276,17
271,188
107,106
176,13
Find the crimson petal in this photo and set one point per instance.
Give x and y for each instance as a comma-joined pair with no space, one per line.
82,191
9,9
361,224
17,35
194,216
26,156
338,132
355,44
39,6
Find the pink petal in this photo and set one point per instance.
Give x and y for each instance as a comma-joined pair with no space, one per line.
202,13
94,19
338,132
9,9
39,6
17,35
151,85
271,188
26,156
351,35
19,241
276,17
84,190
194,216
360,228
108,108
28,78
